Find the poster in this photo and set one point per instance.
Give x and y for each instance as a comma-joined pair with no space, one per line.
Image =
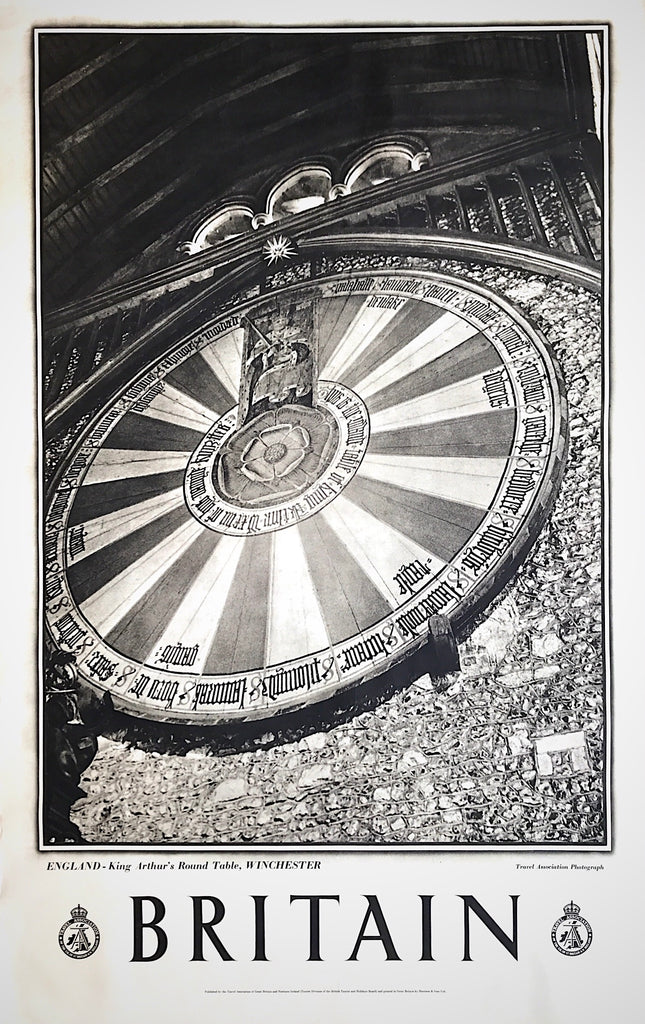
360,912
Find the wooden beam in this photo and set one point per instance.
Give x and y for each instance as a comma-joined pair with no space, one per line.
571,212
89,349
495,208
428,203
62,362
74,77
129,98
464,223
485,249
534,214
591,150
96,246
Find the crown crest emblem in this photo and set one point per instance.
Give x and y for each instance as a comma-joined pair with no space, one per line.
78,913
571,909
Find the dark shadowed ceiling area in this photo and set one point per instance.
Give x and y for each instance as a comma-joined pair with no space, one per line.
142,132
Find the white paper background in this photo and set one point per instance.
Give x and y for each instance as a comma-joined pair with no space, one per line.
41,985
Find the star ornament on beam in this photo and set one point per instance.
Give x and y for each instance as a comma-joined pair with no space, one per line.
278,249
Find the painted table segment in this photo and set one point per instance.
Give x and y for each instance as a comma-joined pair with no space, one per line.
273,510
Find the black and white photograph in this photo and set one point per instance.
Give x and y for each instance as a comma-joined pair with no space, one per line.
322,408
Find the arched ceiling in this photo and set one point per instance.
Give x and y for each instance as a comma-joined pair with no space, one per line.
140,131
